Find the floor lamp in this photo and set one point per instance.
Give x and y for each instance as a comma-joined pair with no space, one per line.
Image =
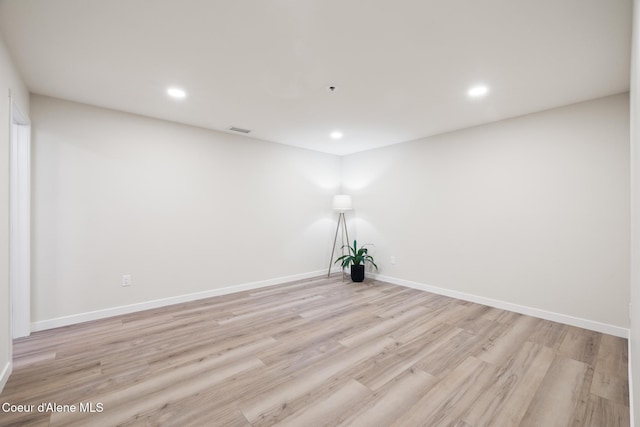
341,203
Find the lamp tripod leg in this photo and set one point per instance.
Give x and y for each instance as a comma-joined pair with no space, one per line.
342,236
346,231
333,248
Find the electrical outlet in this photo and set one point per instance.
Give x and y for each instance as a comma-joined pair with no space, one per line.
393,260
126,280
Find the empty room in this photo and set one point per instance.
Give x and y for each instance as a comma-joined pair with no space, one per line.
319,213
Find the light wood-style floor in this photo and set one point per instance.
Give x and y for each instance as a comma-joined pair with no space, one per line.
323,352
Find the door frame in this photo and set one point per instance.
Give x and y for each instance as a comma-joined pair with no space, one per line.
19,222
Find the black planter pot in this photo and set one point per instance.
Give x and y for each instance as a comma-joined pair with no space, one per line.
357,273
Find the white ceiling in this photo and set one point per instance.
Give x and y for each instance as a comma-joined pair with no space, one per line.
402,67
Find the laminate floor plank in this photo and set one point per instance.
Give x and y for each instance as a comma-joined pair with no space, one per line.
154,393
507,343
450,354
557,396
610,376
390,365
454,393
603,412
325,411
322,352
581,344
505,402
313,377
549,334
385,327
388,404
338,304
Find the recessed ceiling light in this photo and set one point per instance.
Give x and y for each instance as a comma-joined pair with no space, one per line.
478,91
175,92
336,135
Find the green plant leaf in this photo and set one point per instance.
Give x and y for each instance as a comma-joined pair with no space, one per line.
356,256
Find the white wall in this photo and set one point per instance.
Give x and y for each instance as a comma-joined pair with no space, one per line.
9,81
532,211
181,209
634,342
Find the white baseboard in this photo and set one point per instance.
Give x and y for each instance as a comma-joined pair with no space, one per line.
131,308
631,399
6,372
522,309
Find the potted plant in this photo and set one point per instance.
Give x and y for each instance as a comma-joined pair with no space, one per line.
356,258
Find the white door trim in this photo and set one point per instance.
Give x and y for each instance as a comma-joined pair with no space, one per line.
20,223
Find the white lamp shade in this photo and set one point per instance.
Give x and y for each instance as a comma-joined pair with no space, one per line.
342,202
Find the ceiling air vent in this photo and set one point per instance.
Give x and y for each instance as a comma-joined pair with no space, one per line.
235,129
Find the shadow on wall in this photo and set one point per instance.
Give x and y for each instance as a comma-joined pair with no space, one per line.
376,167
